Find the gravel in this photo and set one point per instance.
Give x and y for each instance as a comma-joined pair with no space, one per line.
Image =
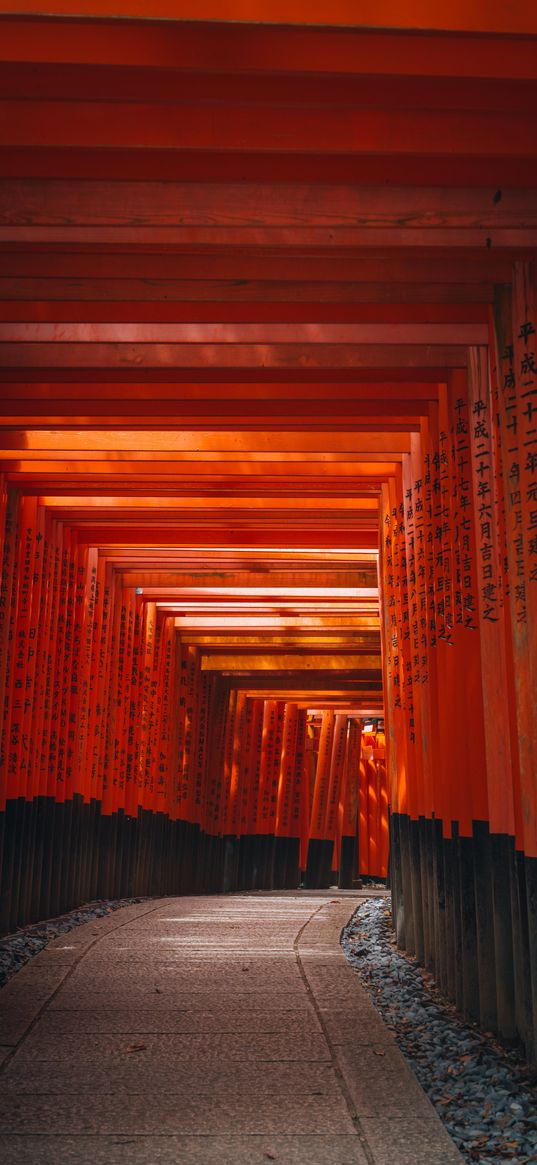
484,1095
16,949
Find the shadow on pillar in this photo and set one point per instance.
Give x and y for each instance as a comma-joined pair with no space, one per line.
466,907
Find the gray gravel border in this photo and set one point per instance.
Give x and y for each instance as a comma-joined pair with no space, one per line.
485,1096
17,949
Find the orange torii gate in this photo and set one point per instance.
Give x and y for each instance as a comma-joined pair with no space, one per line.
267,349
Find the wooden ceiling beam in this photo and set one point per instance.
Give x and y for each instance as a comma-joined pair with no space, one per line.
195,46
368,418
216,165
145,577
515,241
186,610
321,423
132,298
279,661
286,640
270,265
88,474
256,206
314,694
241,128
236,442
242,503
121,533
260,593
276,624
54,312
42,80
231,356
280,391
247,334
340,478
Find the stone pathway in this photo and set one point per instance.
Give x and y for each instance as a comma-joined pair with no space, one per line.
193,1031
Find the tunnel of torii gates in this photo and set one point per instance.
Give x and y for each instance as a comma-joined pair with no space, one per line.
268,355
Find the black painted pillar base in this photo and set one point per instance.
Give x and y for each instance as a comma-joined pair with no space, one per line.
279,867
230,870
292,871
502,861
347,863
470,969
318,875
396,876
531,906
448,939
406,883
484,916
414,841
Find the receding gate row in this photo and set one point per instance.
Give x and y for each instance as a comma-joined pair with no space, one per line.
459,581
127,769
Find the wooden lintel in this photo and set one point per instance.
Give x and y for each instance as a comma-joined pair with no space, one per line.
286,662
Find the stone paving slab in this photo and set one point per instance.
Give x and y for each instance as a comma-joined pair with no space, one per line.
354,1025
195,1047
295,1113
235,973
172,1076
207,1030
409,1141
164,996
163,1019
380,1085
336,1149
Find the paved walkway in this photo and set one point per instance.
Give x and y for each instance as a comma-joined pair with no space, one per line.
207,1031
